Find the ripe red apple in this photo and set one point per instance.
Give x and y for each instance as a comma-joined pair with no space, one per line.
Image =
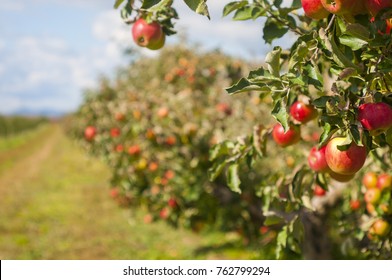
341,177
375,117
384,181
89,133
119,148
170,140
303,112
149,35
372,196
380,228
374,6
292,135
115,132
263,229
355,204
172,202
134,150
369,180
316,159
319,191
339,7
344,162
164,213
314,9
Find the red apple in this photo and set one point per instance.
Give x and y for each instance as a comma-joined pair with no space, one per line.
149,35
375,117
164,213
316,159
372,196
384,181
119,148
319,191
346,162
89,133
339,7
134,150
170,140
163,112
169,174
172,202
263,229
380,228
314,9
369,180
302,112
115,132
153,166
292,135
374,6
355,204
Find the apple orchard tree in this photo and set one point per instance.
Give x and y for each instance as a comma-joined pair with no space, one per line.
338,75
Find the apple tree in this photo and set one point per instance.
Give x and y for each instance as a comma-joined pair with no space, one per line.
337,78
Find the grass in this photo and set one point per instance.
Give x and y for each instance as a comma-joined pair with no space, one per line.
54,204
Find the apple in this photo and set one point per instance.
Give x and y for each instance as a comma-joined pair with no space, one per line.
134,150
263,229
340,7
170,140
369,180
119,116
316,159
119,148
153,166
314,9
372,196
163,112
389,26
355,204
150,134
172,202
319,191
346,162
340,177
292,135
224,108
114,192
303,112
169,174
149,35
147,219
380,228
371,209
375,117
164,213
374,6
90,132
384,181
115,132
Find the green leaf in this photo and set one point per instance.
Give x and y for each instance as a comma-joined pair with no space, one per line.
314,76
232,6
198,6
273,220
352,42
216,170
233,178
243,13
355,135
273,61
220,149
260,140
280,114
118,3
273,30
328,131
282,237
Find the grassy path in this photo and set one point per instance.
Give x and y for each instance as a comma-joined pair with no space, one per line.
54,204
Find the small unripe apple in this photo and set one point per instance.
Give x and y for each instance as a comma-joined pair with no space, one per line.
292,135
316,159
375,117
372,196
345,162
380,228
319,191
369,180
149,35
90,132
384,181
302,112
314,9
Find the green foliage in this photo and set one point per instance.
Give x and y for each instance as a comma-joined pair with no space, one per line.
11,125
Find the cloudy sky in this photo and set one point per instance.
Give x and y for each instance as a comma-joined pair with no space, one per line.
50,50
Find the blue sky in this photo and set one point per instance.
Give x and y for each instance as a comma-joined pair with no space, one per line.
50,50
